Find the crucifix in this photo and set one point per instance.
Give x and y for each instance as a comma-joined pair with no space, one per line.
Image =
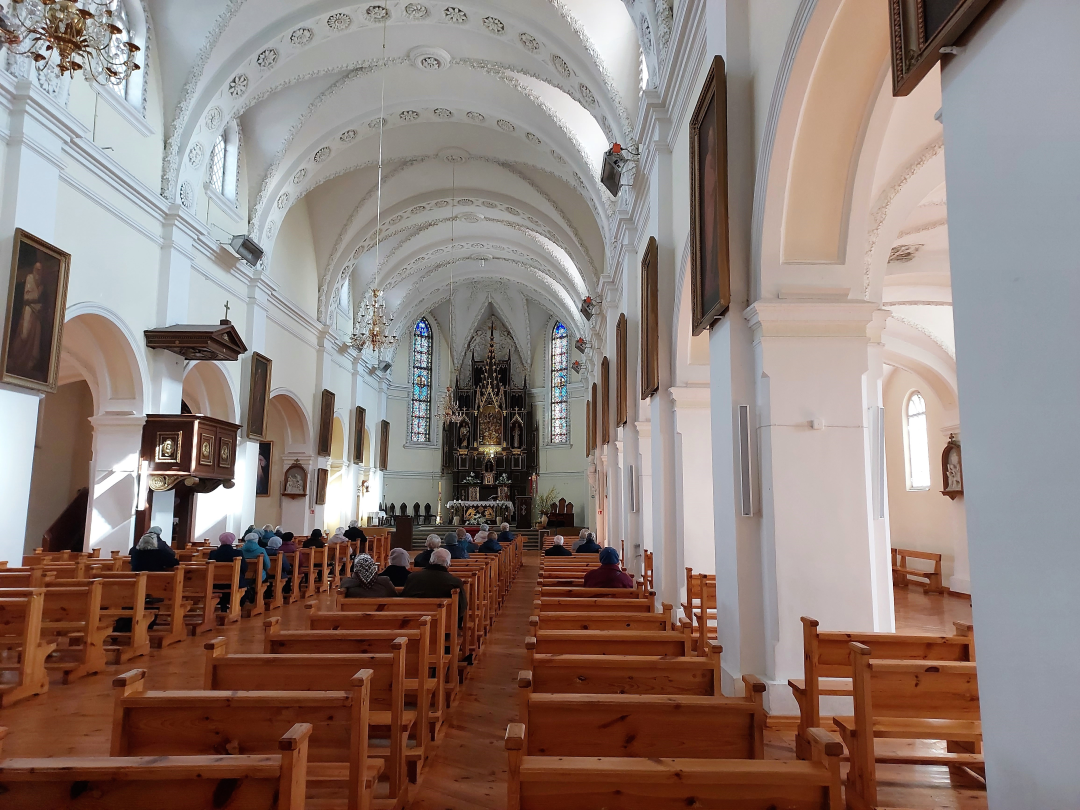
226,310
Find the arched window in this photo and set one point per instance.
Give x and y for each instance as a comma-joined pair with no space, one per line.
560,402
916,443
128,17
221,167
420,414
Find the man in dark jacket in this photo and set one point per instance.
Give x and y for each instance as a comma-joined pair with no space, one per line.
490,545
436,582
505,535
590,546
452,543
354,532
557,548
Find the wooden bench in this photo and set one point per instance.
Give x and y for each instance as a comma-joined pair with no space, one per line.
256,583
275,583
596,593
602,621
318,673
827,664
176,783
902,570
199,594
908,700
122,597
73,615
20,631
36,577
592,605
627,783
608,642
193,723
419,683
313,567
227,580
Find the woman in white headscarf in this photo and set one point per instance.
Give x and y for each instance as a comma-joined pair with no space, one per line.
398,569
365,582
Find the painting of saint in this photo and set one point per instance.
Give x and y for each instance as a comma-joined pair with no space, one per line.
262,474
37,297
463,434
259,395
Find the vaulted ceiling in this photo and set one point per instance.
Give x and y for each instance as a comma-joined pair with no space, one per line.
495,116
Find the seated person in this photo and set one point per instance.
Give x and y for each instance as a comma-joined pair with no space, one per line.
288,543
398,569
354,532
436,582
490,545
580,540
608,575
226,552
590,546
452,543
365,582
156,531
273,546
432,543
505,535
148,556
557,548
252,550
315,539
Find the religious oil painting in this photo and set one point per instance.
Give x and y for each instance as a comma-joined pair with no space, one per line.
326,422
295,483
709,263
359,429
37,295
259,395
322,476
262,473
650,324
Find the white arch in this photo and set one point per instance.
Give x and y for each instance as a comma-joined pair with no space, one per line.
98,346
297,419
211,387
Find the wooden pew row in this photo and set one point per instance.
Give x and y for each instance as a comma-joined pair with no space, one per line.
176,783
553,620
827,664
123,600
663,643
908,700
593,605
902,570
20,632
194,723
389,723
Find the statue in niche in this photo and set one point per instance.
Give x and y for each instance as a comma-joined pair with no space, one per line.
515,436
952,469
463,434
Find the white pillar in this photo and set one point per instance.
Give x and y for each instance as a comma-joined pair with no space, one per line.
695,493
114,489
877,481
812,358
1010,102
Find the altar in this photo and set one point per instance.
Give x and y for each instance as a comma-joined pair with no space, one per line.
474,513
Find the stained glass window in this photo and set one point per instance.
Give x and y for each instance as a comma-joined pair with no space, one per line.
420,413
216,170
560,372
917,443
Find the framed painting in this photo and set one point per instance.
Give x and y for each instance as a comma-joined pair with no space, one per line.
262,472
326,422
359,426
710,267
650,328
605,401
295,483
593,421
258,395
920,29
322,476
384,445
37,299
588,428
620,370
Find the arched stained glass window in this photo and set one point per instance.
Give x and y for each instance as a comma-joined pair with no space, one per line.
420,414
916,443
560,401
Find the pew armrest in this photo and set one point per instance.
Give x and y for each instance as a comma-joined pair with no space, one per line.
129,678
515,737
530,642
825,744
753,685
295,737
525,678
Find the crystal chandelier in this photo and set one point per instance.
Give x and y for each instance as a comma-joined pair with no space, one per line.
449,411
82,34
373,329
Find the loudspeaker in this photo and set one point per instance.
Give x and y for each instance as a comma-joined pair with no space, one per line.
746,501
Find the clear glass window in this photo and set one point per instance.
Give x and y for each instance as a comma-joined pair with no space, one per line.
216,170
917,444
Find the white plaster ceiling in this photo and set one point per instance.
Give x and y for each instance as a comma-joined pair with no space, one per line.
522,95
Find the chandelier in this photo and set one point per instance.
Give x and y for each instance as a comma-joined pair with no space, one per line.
373,327
489,402
82,34
449,410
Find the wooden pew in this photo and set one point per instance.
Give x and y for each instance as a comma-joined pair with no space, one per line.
908,700
419,683
192,723
74,615
595,593
171,783
122,597
256,583
171,612
593,605
602,621
608,642
827,664
36,577
313,563
275,583
227,578
310,673
902,570
628,783
20,631
293,594
198,590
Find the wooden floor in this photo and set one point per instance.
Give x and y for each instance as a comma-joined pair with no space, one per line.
468,769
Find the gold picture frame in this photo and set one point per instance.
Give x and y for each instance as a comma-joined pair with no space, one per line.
259,395
322,478
359,427
650,328
326,421
920,30
36,305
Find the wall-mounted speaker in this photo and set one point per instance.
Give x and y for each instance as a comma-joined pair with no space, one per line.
746,493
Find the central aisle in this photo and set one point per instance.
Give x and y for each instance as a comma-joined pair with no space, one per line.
468,769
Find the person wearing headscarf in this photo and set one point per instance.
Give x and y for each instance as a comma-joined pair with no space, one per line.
251,550
315,539
277,531
490,545
226,552
354,532
366,582
590,546
472,544
609,574
505,535
273,547
398,569
265,534
432,543
580,540
161,544
557,548
288,544
338,536
148,556
456,549
436,582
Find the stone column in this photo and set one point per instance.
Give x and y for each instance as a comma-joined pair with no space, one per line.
1008,102
114,488
695,493
817,550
